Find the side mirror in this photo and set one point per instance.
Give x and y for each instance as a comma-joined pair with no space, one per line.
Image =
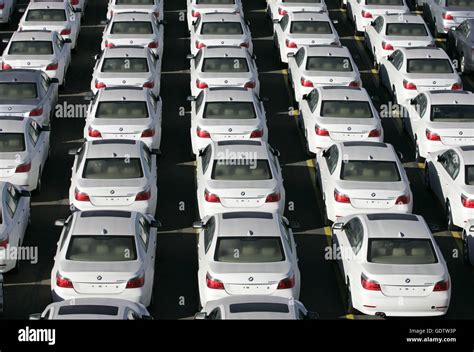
72,152
294,225
163,22
67,40
191,98
25,193
60,223
312,316
335,21
200,316
400,155
276,152
412,101
54,80
248,22
89,96
35,316
254,57
155,224
201,152
372,23
290,55
305,96
275,21
440,158
325,153
78,10
190,57
338,226
156,151
198,225
45,128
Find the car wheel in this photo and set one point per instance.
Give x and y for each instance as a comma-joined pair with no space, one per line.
427,177
349,306
326,221
449,218
465,251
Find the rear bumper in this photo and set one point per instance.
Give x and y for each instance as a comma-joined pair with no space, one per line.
207,294
134,295
144,207
209,209
24,180
341,210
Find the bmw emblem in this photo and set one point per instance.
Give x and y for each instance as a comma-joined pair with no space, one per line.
331,80
460,133
28,63
112,192
222,43
409,44
407,281
312,42
99,277
121,129
349,128
242,194
434,82
10,108
226,81
373,195
131,41
250,278
124,81
230,129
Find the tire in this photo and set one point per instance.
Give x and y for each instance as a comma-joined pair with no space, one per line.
309,153
349,306
465,251
427,177
449,218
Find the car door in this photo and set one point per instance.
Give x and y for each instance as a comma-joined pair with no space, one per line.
202,165
279,29
206,238
39,146
64,52
15,213
147,236
308,108
290,241
462,43
23,210
374,34
417,109
394,75
150,168
447,169
350,244
326,170
295,66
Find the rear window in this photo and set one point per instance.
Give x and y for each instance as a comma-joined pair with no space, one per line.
459,3
370,171
324,63
215,2
134,2
31,47
221,28
229,110
429,66
102,249
225,65
17,91
301,1
401,251
406,29
125,65
132,27
259,307
51,15
346,109
122,110
249,249
241,170
112,169
88,309
385,2
469,175
452,113
12,142
310,27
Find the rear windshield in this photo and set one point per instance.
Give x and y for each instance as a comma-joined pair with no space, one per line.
18,91
88,309
249,249
31,47
406,29
470,175
385,2
102,249
310,27
225,65
325,63
429,66
112,169
122,110
241,170
221,28
51,15
134,2
131,28
401,251
459,3
346,109
452,113
229,110
12,142
370,171
215,2
259,307
125,65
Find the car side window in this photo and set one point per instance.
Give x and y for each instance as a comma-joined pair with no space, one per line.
284,22
206,158
44,83
286,235
144,230
299,57
354,233
80,157
13,198
67,228
313,100
421,103
59,42
197,23
33,132
147,157
332,156
153,100
199,100
198,57
453,165
378,24
209,233
397,59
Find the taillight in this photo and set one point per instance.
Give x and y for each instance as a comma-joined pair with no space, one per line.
214,283
195,13
81,196
109,44
366,14
136,282
145,195
74,2
466,202
341,198
211,197
256,134
370,285
387,46
244,45
282,12
94,133
456,86
290,44
2,6
149,85
202,133
306,82
100,85
250,85
66,31
441,286
153,45
321,131
409,85
63,282
375,133
403,199
36,112
447,16
149,132
6,66
52,67
431,136
354,84
273,197
199,45
23,167
4,243
201,85
289,282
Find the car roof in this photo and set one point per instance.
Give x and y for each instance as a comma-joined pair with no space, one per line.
229,94
32,35
367,151
248,223
110,222
308,16
12,124
405,18
424,53
343,93
19,75
118,148
224,51
126,50
131,16
450,97
221,17
327,50
393,225
122,94
257,149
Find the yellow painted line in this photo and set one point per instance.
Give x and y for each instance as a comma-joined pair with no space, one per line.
350,316
456,234
421,166
374,71
327,231
359,38
440,39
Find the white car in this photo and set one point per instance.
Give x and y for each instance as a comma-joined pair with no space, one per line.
220,29
239,175
127,66
15,212
134,28
362,12
447,14
223,67
196,8
321,65
125,113
337,114
118,174
276,9
362,177
105,254
468,242
391,266
246,253
437,120
7,7
409,71
39,50
151,6
24,149
302,28
219,114
53,16
79,5
28,93
93,309
450,175
259,307
389,32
